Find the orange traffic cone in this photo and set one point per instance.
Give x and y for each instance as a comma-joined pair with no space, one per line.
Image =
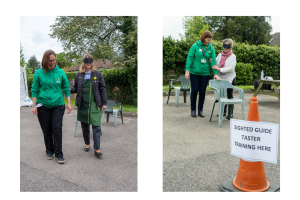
251,176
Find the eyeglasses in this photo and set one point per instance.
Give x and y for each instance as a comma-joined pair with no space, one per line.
50,61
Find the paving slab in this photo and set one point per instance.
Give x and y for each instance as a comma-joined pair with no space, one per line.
82,171
196,153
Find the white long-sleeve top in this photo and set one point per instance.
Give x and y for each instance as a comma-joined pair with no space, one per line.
228,71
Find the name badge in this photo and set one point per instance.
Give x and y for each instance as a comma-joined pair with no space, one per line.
203,60
200,49
39,105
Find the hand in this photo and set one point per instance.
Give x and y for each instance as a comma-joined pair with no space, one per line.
69,108
217,77
216,67
104,107
34,110
210,59
187,75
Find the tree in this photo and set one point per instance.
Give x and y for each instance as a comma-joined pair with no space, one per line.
23,63
193,27
103,36
33,64
63,60
22,58
254,30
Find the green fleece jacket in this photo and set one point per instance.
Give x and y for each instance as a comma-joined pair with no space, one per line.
193,62
47,87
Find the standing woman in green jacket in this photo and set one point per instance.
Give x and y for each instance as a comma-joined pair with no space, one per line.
49,105
198,70
90,100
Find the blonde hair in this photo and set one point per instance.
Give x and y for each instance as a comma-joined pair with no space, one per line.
82,67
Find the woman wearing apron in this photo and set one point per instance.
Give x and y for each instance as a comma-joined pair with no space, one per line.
90,100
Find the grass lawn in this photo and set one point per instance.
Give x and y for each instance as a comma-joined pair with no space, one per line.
125,108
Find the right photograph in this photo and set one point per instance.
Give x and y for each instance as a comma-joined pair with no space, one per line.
221,104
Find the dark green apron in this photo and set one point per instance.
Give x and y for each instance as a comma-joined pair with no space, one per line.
89,112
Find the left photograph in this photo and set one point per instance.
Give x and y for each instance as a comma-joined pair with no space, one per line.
78,103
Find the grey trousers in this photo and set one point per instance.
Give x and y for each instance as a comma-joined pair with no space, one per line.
86,134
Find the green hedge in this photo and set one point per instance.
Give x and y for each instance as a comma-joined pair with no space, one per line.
124,79
243,74
261,57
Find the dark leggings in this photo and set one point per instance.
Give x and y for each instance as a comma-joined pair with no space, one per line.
230,95
198,84
51,123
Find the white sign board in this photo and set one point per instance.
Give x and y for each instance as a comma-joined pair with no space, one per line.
254,141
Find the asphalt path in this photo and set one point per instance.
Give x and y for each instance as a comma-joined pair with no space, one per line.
82,171
196,153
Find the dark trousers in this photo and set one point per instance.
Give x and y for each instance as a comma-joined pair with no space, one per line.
198,84
51,123
230,96
86,134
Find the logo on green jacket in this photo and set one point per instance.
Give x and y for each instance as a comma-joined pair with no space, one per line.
208,52
57,80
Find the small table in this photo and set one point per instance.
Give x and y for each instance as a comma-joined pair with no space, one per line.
274,83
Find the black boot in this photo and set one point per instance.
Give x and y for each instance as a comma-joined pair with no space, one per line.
193,113
200,113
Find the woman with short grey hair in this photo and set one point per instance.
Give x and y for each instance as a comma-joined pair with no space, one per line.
226,62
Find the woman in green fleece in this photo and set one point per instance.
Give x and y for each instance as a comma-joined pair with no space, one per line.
198,70
49,105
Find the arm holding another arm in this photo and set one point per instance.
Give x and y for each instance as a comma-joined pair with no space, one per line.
231,66
66,89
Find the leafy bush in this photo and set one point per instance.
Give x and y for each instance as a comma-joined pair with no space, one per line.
261,57
243,74
124,79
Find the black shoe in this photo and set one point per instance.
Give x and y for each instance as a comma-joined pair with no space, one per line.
49,156
60,160
87,149
230,117
98,154
200,113
224,114
193,113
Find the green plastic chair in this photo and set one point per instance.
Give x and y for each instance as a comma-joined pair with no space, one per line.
220,91
110,110
185,85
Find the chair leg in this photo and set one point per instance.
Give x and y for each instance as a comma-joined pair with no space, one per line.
177,91
221,110
184,96
212,111
75,128
107,117
103,117
168,96
243,110
121,116
115,118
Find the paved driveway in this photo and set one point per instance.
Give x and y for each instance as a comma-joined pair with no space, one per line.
196,153
82,171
